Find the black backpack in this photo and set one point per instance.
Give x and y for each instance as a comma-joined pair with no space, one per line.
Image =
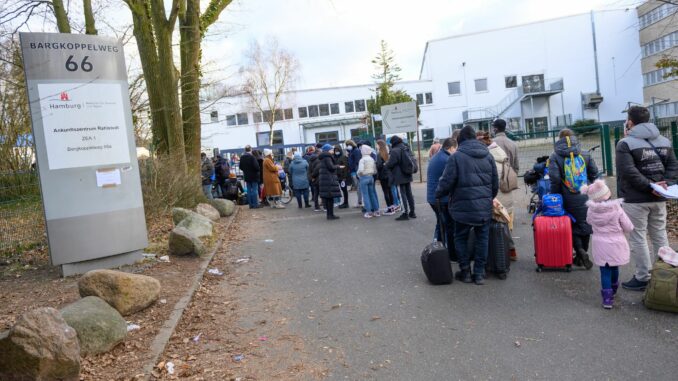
231,189
408,164
223,169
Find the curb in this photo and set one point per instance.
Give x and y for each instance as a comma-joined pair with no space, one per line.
162,338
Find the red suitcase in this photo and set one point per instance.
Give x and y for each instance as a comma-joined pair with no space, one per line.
553,242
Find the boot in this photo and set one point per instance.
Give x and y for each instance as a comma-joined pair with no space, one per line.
464,275
344,205
615,286
403,217
608,298
585,261
479,279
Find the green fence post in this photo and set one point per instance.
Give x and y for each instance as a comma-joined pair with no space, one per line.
674,134
607,149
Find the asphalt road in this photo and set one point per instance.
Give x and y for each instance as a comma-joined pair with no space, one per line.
357,295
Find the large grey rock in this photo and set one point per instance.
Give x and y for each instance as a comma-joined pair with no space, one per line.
183,242
99,326
208,211
225,207
40,346
178,214
127,293
198,225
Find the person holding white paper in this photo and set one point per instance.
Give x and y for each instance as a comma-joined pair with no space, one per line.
644,158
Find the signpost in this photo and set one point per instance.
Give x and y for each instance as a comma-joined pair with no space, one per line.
402,118
85,149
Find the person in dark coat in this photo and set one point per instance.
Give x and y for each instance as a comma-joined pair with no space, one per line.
396,161
222,170
232,188
343,174
471,182
251,174
206,172
325,171
384,177
312,162
354,157
573,202
436,167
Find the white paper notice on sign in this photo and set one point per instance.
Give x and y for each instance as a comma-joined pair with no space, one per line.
108,177
84,124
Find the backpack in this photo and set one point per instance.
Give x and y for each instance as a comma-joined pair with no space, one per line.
231,189
574,168
552,205
662,291
408,165
509,178
223,169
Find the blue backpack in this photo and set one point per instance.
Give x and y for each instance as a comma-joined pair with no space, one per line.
552,205
543,187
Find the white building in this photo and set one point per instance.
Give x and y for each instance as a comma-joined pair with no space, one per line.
537,76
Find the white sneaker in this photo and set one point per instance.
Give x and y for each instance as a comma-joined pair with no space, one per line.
368,215
377,214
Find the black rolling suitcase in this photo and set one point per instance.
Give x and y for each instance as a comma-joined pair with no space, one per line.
436,262
498,261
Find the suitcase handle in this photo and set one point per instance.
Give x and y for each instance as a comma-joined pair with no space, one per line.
441,226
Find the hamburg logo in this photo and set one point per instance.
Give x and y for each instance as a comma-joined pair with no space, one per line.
64,96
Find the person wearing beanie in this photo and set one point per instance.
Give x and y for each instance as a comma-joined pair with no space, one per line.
367,169
312,159
325,171
609,247
354,157
343,175
232,188
471,182
299,179
272,186
402,165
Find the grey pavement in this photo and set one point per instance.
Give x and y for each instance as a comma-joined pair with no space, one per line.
355,286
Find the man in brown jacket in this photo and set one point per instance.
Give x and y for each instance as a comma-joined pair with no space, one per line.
511,150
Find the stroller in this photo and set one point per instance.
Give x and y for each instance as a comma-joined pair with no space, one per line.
537,180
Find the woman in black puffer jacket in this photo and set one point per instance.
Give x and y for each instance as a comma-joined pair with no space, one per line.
326,173
343,173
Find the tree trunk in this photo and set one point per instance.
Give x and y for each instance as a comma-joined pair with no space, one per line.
90,27
63,24
190,81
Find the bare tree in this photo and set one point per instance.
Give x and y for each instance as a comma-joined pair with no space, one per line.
269,73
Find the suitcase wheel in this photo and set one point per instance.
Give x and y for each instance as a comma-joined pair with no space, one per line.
568,268
539,268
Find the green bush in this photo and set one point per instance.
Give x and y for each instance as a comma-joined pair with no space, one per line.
18,185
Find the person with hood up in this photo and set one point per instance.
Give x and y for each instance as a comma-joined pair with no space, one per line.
367,169
354,157
609,247
471,182
343,174
272,186
398,164
298,169
325,171
232,188
644,158
569,168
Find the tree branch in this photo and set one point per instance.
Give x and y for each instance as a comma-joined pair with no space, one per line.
212,13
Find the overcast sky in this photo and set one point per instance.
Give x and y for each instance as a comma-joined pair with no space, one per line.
335,40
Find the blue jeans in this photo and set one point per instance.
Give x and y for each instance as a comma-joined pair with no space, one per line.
299,193
370,200
482,240
394,191
354,176
253,194
207,190
608,276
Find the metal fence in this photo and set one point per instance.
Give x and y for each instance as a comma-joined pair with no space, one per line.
22,222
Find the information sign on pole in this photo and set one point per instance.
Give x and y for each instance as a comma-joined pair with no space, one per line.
399,118
85,150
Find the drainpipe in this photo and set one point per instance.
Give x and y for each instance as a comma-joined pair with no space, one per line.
595,52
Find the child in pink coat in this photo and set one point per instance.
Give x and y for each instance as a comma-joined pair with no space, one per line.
610,249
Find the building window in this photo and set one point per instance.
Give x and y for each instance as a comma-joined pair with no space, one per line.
357,133
454,88
657,14
481,85
540,124
214,116
303,112
334,108
533,83
327,137
427,136
278,115
428,97
665,110
348,107
324,109
313,111
660,44
257,117
230,120
263,138
360,105
289,114
424,98
420,99
242,119
510,81
657,76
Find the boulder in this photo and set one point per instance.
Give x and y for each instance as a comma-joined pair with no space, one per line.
40,346
183,242
225,207
208,211
98,325
127,293
178,214
198,225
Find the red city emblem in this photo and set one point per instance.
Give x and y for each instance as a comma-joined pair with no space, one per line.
64,96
